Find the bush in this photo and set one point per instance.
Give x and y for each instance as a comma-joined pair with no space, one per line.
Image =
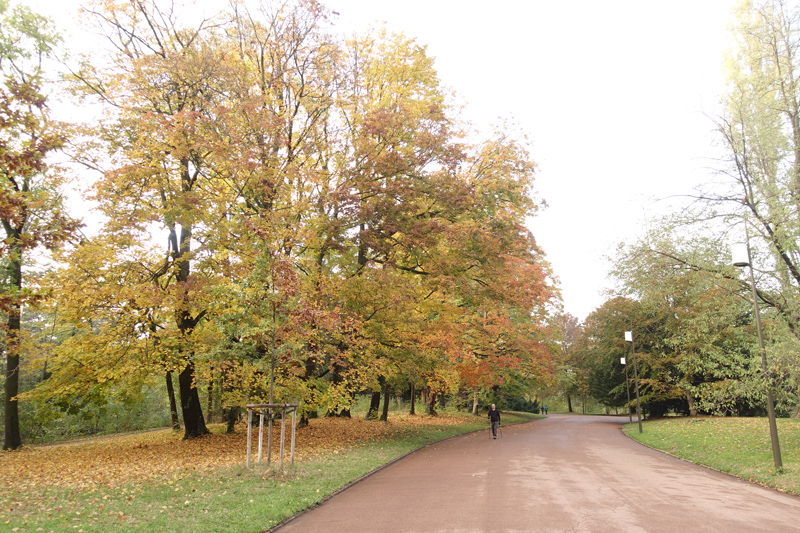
524,405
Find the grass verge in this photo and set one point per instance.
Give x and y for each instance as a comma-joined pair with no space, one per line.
737,446
229,498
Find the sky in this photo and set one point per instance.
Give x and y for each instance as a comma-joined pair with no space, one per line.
617,98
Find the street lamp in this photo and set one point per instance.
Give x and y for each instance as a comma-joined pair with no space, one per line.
742,258
629,338
627,389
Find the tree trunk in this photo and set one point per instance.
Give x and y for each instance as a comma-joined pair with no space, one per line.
475,403
193,421
375,401
210,392
173,405
413,398
385,412
233,416
194,425
432,404
374,405
13,437
569,404
692,406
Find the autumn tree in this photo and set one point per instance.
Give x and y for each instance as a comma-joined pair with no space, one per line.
31,204
328,230
162,86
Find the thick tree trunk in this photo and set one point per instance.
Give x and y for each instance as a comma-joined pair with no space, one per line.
375,401
475,403
385,412
374,405
432,404
692,407
173,405
413,398
569,404
233,416
193,421
13,437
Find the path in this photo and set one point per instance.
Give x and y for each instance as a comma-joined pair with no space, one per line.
565,473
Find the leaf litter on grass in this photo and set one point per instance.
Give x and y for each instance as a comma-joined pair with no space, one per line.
163,455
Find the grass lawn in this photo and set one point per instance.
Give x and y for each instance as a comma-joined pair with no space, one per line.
738,446
156,482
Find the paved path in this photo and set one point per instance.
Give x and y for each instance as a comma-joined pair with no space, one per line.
565,473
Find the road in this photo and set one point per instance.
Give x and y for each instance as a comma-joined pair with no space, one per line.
565,473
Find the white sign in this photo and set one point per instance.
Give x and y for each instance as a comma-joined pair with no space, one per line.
629,336
622,360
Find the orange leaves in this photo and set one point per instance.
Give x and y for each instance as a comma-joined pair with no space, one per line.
162,455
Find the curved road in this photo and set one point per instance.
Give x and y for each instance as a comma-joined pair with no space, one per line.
565,473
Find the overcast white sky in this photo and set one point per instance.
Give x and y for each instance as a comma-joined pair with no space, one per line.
615,96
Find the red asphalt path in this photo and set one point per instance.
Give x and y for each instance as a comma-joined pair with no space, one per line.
565,473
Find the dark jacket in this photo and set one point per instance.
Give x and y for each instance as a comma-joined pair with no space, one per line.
494,416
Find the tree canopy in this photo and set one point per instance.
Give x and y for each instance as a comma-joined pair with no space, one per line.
291,216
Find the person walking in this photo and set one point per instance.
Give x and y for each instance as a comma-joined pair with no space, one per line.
494,418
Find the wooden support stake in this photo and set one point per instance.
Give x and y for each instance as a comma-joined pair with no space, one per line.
294,425
260,434
269,437
249,433
283,432
267,409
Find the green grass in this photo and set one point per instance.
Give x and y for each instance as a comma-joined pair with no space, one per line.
738,446
226,499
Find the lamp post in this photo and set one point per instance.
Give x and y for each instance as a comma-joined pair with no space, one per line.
742,258
627,389
629,338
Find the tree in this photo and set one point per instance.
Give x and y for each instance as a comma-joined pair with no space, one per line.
328,232
602,344
164,88
759,177
31,206
705,327
569,364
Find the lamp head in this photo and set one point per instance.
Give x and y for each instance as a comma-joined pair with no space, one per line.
740,254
